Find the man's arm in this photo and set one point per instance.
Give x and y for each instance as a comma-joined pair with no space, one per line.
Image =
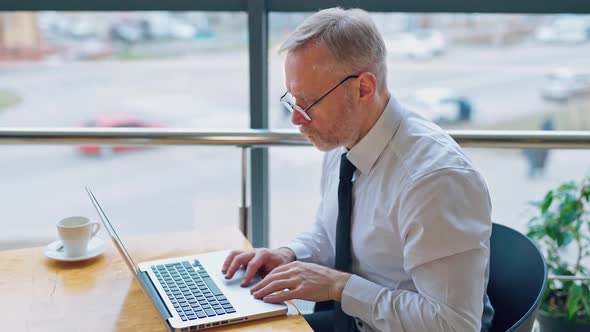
450,301
310,246
313,246
444,224
449,297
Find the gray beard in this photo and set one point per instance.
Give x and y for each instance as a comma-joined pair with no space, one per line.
330,140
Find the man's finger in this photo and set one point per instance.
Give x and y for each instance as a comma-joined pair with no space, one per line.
268,279
252,269
239,260
282,296
229,259
283,268
275,286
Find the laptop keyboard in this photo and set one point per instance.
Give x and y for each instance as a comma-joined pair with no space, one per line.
192,291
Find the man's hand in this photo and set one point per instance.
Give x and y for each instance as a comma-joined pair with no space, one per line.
256,260
304,281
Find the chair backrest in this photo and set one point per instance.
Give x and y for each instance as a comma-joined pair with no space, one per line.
518,277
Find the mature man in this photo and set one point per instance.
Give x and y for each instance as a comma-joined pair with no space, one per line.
401,240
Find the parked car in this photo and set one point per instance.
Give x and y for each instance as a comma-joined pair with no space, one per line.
164,25
420,43
570,29
440,105
128,32
564,84
115,121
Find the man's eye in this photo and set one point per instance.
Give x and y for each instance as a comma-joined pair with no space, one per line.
305,103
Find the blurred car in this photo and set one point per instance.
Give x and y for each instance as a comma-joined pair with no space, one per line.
115,121
439,105
164,25
569,29
128,32
564,84
82,28
420,43
200,21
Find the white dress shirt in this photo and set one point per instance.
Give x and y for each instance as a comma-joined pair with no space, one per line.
421,224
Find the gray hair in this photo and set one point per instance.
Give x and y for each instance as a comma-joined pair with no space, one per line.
350,35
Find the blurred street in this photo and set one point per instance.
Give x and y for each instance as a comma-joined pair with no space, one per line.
177,188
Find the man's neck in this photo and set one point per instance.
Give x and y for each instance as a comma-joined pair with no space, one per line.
374,112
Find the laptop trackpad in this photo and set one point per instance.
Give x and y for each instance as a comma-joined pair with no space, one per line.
239,277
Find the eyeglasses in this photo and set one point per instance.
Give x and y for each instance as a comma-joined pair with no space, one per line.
289,101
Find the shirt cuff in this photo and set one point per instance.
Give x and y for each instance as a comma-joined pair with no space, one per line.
302,253
359,297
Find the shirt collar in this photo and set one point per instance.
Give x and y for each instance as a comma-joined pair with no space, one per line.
365,153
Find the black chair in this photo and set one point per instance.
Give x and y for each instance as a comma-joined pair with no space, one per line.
518,277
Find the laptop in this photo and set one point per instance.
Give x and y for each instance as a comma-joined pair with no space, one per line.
190,292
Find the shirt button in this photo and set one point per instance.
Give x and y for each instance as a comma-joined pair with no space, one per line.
359,324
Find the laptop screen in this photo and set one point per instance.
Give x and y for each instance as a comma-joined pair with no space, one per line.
112,232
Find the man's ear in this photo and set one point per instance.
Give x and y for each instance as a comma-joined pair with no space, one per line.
367,87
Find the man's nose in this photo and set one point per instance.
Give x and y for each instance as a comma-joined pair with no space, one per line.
298,118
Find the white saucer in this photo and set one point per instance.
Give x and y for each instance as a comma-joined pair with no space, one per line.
95,247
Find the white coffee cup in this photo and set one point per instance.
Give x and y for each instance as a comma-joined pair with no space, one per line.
75,234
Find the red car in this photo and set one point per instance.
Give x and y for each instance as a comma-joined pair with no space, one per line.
115,121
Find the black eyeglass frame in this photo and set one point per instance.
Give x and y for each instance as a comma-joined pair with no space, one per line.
304,111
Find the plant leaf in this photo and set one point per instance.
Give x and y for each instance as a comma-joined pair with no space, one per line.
547,201
573,303
567,186
568,211
586,303
554,231
566,238
536,203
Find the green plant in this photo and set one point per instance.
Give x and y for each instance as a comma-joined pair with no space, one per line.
563,225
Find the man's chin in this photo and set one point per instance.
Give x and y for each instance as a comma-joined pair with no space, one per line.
321,145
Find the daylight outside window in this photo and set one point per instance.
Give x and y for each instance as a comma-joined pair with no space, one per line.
121,70
463,72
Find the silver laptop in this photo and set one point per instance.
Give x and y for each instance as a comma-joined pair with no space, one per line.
190,292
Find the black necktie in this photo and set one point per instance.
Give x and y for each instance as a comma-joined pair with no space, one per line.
343,261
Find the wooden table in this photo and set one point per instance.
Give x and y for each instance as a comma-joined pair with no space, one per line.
39,294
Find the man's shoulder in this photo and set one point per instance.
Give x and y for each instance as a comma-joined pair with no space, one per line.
422,148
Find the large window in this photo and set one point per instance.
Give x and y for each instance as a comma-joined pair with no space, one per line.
462,71
190,69
121,69
474,71
180,69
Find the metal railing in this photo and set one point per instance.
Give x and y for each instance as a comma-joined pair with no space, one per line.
513,139
248,139
569,278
